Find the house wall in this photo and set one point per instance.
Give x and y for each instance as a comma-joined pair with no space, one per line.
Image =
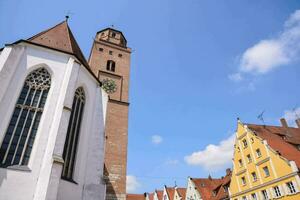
281,170
191,191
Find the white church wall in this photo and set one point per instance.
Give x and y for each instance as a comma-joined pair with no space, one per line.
14,183
89,159
41,178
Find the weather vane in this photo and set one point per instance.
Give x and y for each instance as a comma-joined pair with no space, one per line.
69,13
261,117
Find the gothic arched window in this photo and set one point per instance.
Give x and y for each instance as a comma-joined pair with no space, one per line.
72,137
19,137
111,65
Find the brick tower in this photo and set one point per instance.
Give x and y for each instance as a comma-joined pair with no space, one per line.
110,61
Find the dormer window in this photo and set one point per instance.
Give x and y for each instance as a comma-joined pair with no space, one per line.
111,65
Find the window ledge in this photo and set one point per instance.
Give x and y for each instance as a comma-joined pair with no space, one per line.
69,180
18,168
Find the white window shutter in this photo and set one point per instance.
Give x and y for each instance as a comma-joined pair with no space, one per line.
281,189
269,193
296,186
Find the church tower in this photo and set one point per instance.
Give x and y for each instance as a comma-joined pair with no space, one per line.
110,62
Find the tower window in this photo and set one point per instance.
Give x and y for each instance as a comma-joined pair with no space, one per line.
20,134
113,34
71,142
100,49
111,65
120,55
110,52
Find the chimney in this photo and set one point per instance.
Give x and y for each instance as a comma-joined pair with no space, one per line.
298,122
284,123
228,171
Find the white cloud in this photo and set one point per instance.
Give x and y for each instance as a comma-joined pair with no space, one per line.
156,139
292,115
213,157
172,162
132,184
235,77
271,53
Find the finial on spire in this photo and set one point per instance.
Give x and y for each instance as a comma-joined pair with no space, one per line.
67,18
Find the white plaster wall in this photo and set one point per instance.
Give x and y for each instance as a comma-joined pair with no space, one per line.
89,158
191,191
15,64
16,184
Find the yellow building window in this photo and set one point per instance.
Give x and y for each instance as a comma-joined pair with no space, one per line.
265,195
245,143
266,171
243,180
249,158
258,153
277,191
253,196
254,177
291,187
240,163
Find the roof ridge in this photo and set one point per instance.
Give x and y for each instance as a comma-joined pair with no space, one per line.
41,33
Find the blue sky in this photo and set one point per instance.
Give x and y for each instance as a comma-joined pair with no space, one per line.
196,66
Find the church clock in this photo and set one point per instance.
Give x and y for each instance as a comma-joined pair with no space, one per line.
109,86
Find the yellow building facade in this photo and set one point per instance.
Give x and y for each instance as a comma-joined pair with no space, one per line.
265,164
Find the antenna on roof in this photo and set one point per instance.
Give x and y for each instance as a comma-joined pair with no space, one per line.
295,112
261,117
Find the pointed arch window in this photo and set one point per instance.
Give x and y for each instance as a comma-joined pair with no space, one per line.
111,65
20,135
71,143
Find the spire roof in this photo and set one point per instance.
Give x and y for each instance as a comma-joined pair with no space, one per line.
59,37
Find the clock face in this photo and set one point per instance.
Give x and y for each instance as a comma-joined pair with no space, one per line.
109,86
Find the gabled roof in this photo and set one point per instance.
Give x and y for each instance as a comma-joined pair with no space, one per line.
206,186
222,190
159,194
281,139
151,196
61,38
181,192
170,192
135,197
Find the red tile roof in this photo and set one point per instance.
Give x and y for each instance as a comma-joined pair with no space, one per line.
170,192
222,190
151,196
281,139
213,189
205,186
61,38
135,197
181,192
159,194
